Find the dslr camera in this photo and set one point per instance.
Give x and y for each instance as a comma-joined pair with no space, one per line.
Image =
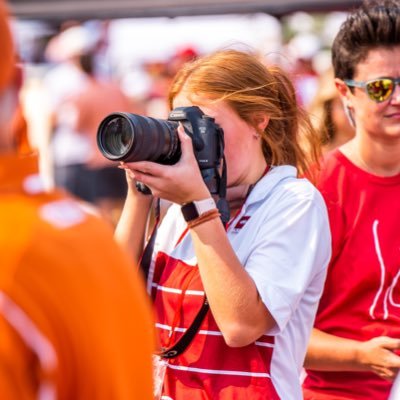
131,137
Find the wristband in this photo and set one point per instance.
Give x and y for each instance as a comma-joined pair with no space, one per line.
195,209
205,217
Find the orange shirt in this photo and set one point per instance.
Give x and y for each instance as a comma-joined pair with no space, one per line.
74,318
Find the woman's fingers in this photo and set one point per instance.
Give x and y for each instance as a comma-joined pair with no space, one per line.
186,146
178,182
145,168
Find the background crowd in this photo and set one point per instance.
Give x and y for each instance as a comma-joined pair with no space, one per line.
136,74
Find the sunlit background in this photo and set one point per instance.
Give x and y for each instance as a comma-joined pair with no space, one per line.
139,45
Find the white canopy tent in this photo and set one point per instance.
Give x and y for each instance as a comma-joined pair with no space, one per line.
89,9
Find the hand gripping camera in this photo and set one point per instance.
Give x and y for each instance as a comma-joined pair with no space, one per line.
130,137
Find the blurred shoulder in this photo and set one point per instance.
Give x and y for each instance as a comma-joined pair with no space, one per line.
32,221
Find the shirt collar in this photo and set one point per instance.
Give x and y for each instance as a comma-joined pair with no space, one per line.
265,185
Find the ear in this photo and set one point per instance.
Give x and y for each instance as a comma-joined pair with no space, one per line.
344,92
260,121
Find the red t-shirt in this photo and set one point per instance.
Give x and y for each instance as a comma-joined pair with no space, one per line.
361,299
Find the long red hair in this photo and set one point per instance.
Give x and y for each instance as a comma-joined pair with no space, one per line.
243,81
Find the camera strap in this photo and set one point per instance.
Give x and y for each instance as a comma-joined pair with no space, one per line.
145,260
181,345
223,208
222,203
184,341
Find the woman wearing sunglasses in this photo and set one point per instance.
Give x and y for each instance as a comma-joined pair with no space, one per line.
353,352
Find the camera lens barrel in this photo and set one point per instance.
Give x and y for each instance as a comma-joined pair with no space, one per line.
130,137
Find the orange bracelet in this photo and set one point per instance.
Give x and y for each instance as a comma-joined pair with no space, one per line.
207,216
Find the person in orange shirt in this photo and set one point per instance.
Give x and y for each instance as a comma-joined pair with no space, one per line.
75,322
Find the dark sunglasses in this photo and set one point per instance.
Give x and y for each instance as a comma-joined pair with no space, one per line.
378,90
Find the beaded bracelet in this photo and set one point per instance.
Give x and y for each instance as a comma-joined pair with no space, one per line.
207,216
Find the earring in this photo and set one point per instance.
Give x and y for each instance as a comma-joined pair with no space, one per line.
256,135
349,114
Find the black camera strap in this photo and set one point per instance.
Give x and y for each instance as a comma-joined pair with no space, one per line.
222,203
223,208
145,260
184,341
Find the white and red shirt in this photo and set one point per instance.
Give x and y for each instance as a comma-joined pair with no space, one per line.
361,299
282,238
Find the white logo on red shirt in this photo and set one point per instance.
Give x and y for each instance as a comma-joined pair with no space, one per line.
388,295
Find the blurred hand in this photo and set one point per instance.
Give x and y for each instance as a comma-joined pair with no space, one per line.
378,356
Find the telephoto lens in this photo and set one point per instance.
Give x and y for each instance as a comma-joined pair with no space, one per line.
130,137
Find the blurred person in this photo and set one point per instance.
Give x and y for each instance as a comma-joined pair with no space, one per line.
19,128
262,274
303,47
353,351
159,79
328,114
77,111
74,318
161,74
96,181
180,57
62,147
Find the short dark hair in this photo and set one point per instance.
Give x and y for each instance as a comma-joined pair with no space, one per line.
374,24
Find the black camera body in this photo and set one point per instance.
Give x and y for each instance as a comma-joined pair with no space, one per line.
130,137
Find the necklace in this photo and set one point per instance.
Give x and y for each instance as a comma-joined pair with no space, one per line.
360,162
379,170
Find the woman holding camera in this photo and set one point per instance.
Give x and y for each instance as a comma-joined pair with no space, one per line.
263,272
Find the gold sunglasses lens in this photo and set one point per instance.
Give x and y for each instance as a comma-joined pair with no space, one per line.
380,90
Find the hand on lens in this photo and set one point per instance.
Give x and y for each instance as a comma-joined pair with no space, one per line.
179,183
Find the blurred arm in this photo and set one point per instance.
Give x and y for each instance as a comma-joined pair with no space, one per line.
131,228
327,352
